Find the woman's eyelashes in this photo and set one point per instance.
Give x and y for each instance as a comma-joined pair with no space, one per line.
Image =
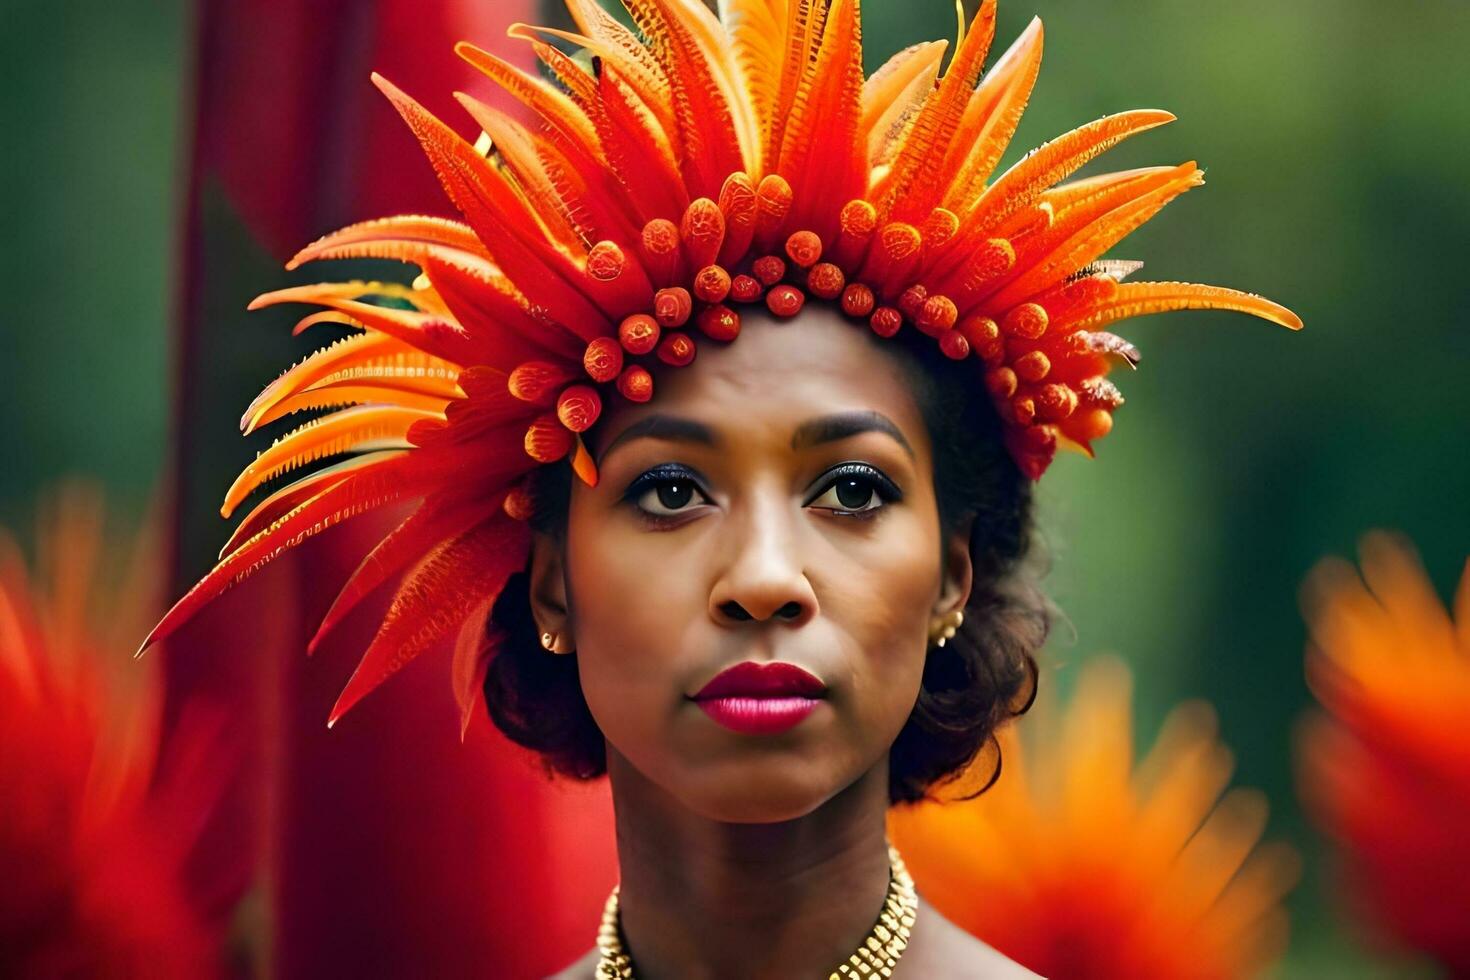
855,489
852,489
665,491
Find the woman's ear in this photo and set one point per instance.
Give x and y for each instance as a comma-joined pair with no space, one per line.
957,571
548,590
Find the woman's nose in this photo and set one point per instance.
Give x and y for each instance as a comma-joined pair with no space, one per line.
763,575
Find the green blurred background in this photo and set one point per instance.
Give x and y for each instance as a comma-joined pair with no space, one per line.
1333,135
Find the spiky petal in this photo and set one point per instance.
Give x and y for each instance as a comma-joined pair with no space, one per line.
103,816
665,178
1384,769
1077,862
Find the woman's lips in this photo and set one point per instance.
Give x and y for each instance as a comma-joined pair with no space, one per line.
759,716
768,680
761,699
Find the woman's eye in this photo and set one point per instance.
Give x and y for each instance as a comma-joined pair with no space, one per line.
668,496
855,492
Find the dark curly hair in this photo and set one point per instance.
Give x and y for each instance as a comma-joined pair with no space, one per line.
984,676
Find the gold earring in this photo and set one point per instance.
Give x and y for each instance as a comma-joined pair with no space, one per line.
548,640
947,627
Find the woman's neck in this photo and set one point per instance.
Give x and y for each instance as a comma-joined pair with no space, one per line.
705,899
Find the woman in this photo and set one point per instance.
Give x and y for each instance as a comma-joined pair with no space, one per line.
743,588
809,498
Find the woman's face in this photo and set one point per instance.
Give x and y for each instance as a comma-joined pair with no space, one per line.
773,502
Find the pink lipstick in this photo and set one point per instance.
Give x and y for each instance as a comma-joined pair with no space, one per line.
761,699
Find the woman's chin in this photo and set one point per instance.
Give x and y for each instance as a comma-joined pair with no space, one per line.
767,808
755,794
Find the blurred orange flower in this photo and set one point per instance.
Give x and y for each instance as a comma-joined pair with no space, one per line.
94,827
1076,863
1386,770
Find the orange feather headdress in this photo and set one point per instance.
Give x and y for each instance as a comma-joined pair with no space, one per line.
701,162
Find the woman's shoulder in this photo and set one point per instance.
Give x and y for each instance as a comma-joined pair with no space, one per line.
941,949
581,969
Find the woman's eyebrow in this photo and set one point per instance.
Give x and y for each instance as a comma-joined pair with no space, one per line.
663,426
829,428
812,432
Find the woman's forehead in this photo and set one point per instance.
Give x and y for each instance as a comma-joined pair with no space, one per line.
776,378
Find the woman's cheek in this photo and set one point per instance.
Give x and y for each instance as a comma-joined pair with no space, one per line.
906,565
629,585
902,592
628,614
612,579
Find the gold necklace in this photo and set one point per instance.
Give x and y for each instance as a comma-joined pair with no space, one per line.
876,956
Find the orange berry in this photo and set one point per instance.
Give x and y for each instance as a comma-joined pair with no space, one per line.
1029,321
661,236
712,284
672,306
954,345
603,359
858,218
769,269
825,281
719,322
534,381
676,349
1032,366
1000,382
745,289
804,247
635,383
1090,424
937,315
857,300
912,301
979,330
547,440
578,407
885,321
1055,402
605,261
785,300
638,333
518,504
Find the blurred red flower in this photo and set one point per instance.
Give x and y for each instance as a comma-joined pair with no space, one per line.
1076,863
96,823
1385,770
